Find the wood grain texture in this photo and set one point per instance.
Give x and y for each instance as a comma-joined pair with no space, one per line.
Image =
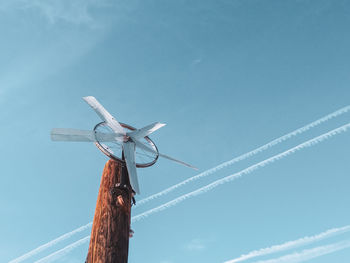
109,241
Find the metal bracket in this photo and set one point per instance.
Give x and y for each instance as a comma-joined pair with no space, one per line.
122,190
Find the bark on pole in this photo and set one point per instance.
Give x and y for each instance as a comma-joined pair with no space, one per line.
109,241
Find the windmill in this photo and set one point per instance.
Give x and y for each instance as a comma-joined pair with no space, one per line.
118,141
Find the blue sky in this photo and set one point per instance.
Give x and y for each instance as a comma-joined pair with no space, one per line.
226,77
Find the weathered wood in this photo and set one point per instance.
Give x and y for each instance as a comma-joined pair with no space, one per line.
109,241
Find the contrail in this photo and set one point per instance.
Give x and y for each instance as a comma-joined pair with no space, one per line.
229,178
308,254
246,155
248,170
205,173
50,244
63,251
291,244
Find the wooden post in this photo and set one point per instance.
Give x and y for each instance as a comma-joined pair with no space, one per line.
109,241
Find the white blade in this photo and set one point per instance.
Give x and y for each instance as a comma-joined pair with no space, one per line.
109,137
58,134
75,135
146,148
129,153
145,131
104,114
178,161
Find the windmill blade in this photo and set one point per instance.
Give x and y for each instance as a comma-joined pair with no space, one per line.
75,135
104,114
145,131
178,161
148,149
109,137
129,152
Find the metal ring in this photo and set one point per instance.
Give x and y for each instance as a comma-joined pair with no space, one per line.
120,160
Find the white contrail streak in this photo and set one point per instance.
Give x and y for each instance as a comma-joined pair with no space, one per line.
59,253
50,244
308,254
248,170
291,244
203,174
246,155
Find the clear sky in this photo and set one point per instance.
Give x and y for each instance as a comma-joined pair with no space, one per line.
226,76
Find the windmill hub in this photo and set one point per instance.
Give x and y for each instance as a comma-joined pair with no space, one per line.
126,138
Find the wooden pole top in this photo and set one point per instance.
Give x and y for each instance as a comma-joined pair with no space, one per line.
110,232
